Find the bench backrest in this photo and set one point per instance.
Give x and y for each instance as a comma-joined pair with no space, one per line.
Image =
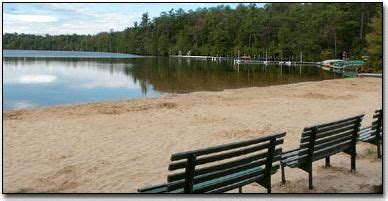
225,167
327,139
377,124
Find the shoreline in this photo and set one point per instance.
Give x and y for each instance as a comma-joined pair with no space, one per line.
163,95
119,146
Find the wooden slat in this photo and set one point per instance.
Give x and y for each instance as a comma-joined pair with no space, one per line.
237,185
226,172
300,156
331,150
331,125
368,138
321,134
223,156
333,142
377,115
240,184
362,137
337,126
348,133
225,182
232,186
365,130
199,152
222,166
304,139
334,122
219,182
289,152
327,133
154,189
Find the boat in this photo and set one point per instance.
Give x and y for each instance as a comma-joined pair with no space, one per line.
330,62
349,64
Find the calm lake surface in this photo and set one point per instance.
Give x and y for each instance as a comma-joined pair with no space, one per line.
37,81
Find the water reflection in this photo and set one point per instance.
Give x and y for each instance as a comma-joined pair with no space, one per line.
183,75
43,81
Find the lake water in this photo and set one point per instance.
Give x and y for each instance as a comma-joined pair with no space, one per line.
39,81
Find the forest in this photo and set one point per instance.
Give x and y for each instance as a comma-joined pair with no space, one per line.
317,30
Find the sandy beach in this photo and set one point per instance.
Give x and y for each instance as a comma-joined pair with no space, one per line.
120,146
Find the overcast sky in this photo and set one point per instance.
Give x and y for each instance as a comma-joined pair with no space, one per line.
83,18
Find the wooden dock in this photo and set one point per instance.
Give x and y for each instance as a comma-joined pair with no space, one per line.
213,58
238,61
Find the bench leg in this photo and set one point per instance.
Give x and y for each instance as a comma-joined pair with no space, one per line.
269,190
283,175
353,161
311,179
240,189
327,162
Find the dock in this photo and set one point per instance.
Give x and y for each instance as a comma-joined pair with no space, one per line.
213,58
239,61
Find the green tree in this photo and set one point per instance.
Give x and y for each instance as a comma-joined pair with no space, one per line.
375,41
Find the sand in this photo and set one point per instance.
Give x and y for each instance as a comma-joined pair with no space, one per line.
124,145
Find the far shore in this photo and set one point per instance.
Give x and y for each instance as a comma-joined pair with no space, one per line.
120,146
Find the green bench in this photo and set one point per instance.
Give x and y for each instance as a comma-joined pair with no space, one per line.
373,134
322,141
223,168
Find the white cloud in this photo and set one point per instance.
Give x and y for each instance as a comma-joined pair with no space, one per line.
30,18
83,18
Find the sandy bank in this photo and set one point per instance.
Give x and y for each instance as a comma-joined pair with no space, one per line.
121,146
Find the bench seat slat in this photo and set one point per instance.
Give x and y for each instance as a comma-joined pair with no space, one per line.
369,138
237,185
230,179
215,183
221,174
154,189
240,184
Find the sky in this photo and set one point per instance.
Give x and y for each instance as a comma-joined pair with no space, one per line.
84,18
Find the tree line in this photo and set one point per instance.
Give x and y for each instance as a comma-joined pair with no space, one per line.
317,30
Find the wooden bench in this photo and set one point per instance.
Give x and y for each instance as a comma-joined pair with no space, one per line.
373,134
223,168
322,141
